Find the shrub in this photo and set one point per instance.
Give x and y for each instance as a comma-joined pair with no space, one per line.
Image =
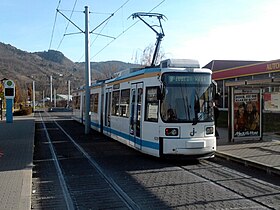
23,111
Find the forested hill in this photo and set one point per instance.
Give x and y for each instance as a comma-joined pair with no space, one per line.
24,67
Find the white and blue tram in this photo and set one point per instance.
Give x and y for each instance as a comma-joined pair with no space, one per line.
161,111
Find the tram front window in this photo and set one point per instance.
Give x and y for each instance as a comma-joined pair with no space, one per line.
187,97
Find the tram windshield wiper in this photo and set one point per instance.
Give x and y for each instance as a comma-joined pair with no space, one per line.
195,120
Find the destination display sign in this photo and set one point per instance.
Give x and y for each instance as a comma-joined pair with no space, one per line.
191,79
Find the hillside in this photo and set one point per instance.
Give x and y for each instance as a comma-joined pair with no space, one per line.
24,67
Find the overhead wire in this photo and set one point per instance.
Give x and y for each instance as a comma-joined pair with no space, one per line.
98,34
68,10
54,24
124,31
67,24
106,21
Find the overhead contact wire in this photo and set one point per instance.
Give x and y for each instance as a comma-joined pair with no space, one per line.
106,22
54,24
67,24
124,31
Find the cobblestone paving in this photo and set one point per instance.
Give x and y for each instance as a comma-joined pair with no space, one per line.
161,184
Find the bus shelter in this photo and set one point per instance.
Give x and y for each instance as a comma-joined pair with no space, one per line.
246,104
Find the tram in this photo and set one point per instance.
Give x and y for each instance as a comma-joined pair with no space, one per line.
163,111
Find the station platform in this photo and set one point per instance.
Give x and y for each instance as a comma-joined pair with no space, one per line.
16,158
263,154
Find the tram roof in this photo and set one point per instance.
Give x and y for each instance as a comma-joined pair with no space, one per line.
135,73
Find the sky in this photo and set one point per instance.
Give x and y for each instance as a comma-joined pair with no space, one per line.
205,30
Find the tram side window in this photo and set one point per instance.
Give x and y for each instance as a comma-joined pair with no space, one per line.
94,102
78,102
124,103
151,107
91,102
116,103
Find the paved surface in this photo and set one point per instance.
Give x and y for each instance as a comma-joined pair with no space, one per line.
16,156
263,154
16,148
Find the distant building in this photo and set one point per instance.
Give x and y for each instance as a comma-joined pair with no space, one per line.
61,100
64,97
234,70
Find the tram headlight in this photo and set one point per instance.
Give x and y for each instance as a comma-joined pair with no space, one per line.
209,130
171,131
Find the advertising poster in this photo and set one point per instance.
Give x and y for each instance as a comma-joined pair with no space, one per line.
247,113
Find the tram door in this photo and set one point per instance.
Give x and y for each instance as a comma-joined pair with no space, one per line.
136,115
107,117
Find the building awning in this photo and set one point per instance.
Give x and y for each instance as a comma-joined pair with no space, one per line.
263,83
248,70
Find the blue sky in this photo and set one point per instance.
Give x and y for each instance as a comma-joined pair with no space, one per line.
196,29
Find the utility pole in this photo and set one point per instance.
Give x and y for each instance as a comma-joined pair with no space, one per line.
51,90
54,95
43,99
33,87
68,96
87,67
87,63
87,73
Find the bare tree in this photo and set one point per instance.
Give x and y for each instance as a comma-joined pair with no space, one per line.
107,72
147,55
18,96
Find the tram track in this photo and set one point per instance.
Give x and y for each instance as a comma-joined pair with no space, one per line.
151,182
66,194
71,161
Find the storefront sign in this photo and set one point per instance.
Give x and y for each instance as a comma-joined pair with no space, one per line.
273,66
252,69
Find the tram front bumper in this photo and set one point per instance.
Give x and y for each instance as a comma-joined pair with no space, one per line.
198,146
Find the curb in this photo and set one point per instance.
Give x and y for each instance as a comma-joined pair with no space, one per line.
249,163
